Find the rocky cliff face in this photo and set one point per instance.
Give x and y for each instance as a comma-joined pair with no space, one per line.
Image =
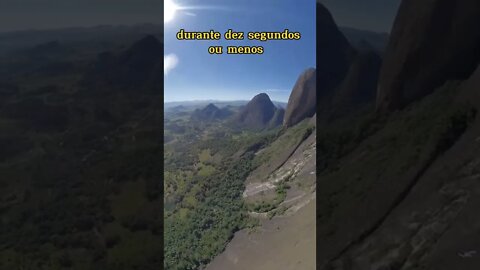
319,88
431,42
345,78
422,215
404,195
303,99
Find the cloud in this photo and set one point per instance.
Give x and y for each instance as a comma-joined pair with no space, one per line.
190,14
277,91
170,62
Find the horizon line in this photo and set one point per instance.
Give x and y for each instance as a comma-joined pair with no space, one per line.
158,24
217,100
75,27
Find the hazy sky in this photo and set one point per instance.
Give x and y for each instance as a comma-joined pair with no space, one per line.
198,75
41,14
376,15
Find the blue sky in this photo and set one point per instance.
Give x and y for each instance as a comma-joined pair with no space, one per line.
197,75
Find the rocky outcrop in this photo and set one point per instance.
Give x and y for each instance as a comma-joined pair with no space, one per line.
334,53
302,102
412,203
346,77
257,114
431,42
432,224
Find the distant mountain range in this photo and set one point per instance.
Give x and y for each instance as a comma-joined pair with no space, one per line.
260,112
141,64
366,40
210,113
99,36
198,104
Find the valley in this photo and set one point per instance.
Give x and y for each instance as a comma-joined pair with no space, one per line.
208,192
80,166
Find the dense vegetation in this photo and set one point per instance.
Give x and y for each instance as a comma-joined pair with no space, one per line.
80,165
193,239
206,165
266,206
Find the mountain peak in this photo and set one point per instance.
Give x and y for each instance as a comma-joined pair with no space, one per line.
210,113
258,113
148,42
261,97
211,106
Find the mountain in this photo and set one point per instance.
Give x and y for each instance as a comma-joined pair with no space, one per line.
345,79
257,114
210,113
366,40
424,51
277,118
303,100
346,76
179,108
52,48
359,85
280,104
374,15
198,104
334,54
98,37
141,64
399,190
